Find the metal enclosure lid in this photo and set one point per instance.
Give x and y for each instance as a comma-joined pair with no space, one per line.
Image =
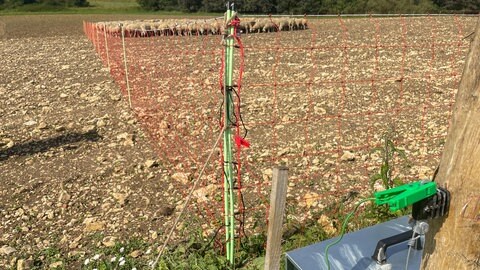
355,250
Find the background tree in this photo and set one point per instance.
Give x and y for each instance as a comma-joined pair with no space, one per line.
259,6
214,5
190,5
461,6
16,3
149,4
81,3
288,6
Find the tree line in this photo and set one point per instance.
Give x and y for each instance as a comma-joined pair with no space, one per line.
286,6
317,6
7,4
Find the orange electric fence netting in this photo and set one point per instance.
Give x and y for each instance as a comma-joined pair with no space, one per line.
322,100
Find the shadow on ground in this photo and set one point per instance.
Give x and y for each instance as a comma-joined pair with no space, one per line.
41,146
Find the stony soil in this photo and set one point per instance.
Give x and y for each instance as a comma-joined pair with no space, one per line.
78,172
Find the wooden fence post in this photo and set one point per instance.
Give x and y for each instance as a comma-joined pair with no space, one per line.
278,198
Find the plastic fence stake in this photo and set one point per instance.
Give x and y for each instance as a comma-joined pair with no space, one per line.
126,66
97,43
227,141
106,45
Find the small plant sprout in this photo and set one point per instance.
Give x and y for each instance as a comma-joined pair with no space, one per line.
388,153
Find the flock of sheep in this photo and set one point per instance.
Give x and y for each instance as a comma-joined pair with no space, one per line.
144,28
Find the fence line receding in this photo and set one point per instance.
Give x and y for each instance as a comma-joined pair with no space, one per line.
320,100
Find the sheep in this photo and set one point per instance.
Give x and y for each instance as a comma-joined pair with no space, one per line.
158,27
184,29
303,23
259,25
246,24
142,28
292,24
114,29
202,28
220,27
164,29
269,26
178,29
282,24
195,28
172,28
131,29
243,26
145,29
252,22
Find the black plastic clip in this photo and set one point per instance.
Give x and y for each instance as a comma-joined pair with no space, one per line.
432,207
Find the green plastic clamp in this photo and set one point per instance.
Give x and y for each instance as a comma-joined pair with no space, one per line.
400,197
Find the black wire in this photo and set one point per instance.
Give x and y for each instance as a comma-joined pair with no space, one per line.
240,113
233,113
221,110
213,238
234,123
242,220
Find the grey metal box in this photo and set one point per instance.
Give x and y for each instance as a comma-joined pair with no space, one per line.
355,250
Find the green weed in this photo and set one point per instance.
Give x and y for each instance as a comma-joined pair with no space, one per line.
388,153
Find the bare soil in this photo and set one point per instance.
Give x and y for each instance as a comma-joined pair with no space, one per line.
72,158
80,168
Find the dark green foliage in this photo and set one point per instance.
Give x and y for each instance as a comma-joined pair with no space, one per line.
16,3
285,6
44,3
200,255
258,6
53,3
154,5
466,6
81,3
149,4
213,5
189,5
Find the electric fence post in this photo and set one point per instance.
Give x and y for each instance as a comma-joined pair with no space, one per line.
227,135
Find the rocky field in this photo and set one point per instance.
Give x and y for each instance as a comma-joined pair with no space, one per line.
79,170
76,171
